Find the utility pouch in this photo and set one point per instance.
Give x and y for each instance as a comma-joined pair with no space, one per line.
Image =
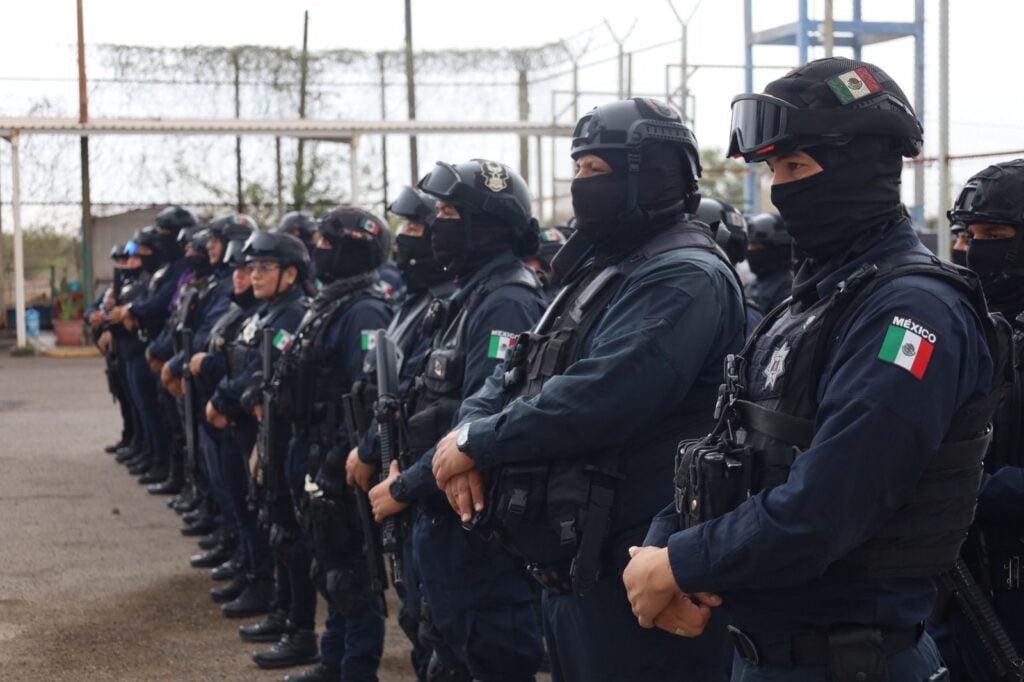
857,654
712,478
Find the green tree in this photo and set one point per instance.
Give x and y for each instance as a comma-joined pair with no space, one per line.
722,178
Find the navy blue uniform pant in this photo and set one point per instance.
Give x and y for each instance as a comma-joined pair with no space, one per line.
353,644
142,385
210,449
920,663
480,599
596,637
235,445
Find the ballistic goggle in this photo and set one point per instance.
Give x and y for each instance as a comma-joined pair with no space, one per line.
764,126
131,248
233,254
412,205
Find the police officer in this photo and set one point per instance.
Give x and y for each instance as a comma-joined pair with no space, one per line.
591,404
730,230
990,209
770,256
959,247
857,412
325,359
426,281
480,601
551,241
277,264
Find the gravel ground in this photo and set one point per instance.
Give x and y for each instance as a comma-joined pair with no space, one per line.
94,576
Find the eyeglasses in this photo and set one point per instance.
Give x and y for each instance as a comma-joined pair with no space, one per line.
262,266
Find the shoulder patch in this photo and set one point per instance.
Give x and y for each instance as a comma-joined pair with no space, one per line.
368,339
500,343
908,344
283,340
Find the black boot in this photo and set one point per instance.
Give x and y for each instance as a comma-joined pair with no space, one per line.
204,525
112,449
184,501
212,540
318,673
154,475
227,570
229,591
255,600
140,465
269,629
294,648
213,557
128,452
169,486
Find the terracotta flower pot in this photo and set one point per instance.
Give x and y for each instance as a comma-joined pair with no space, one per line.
68,332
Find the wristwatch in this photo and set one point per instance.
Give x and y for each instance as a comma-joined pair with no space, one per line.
398,490
462,438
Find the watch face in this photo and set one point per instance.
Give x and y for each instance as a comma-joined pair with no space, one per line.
462,439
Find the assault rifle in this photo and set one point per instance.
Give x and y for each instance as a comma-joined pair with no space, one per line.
266,439
374,558
191,426
388,412
1002,659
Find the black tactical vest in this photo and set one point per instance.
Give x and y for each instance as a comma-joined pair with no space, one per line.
405,327
311,387
769,403
557,514
445,363
250,336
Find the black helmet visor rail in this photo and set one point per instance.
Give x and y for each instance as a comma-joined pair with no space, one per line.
764,126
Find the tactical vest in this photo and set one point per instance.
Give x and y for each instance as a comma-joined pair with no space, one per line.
405,327
311,387
226,327
445,363
250,336
557,513
769,401
130,289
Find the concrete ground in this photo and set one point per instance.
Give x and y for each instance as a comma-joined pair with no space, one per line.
94,575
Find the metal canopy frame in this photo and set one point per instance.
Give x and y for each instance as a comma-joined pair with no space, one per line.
806,32
347,132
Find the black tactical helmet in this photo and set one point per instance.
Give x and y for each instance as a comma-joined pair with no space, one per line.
174,218
149,237
994,195
482,186
628,126
355,223
768,229
283,248
233,255
727,225
232,227
186,235
824,102
118,252
414,205
299,224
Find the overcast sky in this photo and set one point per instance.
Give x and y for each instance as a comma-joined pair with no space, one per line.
37,39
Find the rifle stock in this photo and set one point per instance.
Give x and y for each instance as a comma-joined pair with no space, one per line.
191,424
388,411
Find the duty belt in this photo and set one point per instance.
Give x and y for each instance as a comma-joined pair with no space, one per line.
799,649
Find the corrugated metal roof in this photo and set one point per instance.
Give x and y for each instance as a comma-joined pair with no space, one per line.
306,128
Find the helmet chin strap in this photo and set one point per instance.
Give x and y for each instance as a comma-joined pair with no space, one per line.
633,212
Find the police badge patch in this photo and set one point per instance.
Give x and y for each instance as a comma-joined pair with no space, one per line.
495,176
776,366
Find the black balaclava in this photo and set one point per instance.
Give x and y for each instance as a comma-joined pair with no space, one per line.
464,245
151,262
856,195
600,201
348,258
770,259
960,258
199,263
171,247
1002,281
414,258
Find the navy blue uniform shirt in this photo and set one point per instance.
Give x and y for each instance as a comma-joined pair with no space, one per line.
876,427
648,373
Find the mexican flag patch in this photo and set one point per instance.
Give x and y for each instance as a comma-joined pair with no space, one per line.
368,339
500,343
909,345
282,340
853,85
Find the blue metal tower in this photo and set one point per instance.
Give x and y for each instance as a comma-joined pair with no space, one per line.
805,32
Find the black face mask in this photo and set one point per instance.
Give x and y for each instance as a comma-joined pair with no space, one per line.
598,201
856,194
200,265
244,299
415,260
960,258
994,261
348,258
151,262
770,259
463,245
171,247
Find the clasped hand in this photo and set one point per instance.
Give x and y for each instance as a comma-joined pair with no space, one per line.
657,600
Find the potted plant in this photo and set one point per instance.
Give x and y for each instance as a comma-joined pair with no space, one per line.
69,310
